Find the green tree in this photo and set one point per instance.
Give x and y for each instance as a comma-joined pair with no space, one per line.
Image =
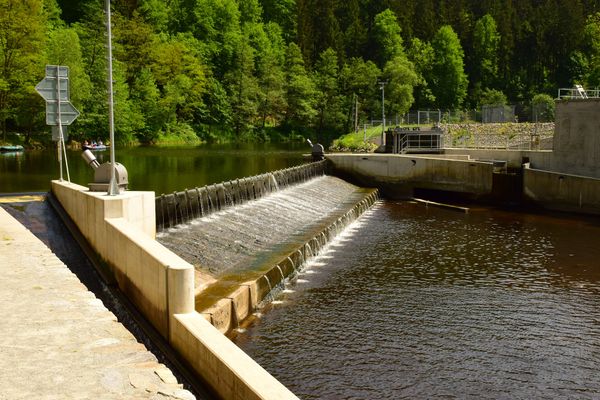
492,97
63,48
270,75
283,13
358,81
421,54
486,42
386,33
329,111
300,91
401,77
22,30
543,107
592,50
448,78
243,89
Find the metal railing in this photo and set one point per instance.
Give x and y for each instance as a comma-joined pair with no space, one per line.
414,141
578,92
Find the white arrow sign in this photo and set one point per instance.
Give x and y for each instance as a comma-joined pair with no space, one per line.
68,113
48,87
57,77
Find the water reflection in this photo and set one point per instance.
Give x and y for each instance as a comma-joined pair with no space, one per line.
161,169
428,303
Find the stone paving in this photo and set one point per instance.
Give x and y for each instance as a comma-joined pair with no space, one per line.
57,340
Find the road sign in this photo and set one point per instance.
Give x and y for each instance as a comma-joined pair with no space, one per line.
68,113
48,87
56,133
54,88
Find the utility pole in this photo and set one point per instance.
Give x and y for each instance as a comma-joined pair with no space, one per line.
355,113
113,189
382,87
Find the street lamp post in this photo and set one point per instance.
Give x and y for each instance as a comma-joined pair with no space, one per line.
382,87
113,189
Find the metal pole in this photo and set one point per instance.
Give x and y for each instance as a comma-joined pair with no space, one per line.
60,136
113,189
382,83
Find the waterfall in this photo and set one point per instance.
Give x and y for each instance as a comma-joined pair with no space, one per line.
178,208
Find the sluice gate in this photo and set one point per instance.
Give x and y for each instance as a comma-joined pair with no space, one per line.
248,241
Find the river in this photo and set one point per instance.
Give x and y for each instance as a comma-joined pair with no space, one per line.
411,302
160,169
423,303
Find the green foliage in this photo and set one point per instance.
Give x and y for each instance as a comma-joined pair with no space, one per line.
486,42
492,97
401,77
300,91
242,69
543,107
386,33
328,103
448,78
22,31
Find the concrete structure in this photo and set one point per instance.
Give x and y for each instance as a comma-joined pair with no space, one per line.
227,302
564,192
565,178
398,175
58,340
122,228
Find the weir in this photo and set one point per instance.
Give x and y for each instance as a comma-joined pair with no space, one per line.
251,240
180,207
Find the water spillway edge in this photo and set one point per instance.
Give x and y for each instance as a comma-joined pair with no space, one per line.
233,298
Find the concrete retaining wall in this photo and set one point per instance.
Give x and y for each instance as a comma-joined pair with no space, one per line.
563,192
398,175
514,158
122,229
180,207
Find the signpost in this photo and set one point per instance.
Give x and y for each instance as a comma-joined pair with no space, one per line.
54,88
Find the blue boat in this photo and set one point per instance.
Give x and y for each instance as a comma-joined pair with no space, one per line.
95,147
11,148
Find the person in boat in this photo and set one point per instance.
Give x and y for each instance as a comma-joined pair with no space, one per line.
100,142
85,143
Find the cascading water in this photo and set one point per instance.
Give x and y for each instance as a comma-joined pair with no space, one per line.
258,243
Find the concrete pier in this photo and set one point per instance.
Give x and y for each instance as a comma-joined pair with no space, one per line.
58,340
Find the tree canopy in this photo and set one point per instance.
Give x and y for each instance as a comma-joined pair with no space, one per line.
233,69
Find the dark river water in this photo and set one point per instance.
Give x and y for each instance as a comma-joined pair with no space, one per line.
420,303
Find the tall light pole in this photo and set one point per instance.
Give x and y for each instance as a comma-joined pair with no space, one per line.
382,87
113,189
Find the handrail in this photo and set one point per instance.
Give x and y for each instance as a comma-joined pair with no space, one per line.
578,92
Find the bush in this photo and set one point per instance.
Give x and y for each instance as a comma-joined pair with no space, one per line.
543,108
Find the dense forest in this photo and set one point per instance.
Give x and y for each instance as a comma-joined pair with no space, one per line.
255,69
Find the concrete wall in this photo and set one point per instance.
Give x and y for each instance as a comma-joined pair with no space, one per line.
577,138
121,229
514,158
397,175
563,192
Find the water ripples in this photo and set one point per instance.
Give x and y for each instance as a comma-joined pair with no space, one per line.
427,303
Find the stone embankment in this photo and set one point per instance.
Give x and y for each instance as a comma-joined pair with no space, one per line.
517,136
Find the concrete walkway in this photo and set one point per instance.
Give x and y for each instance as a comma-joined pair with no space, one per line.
57,340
